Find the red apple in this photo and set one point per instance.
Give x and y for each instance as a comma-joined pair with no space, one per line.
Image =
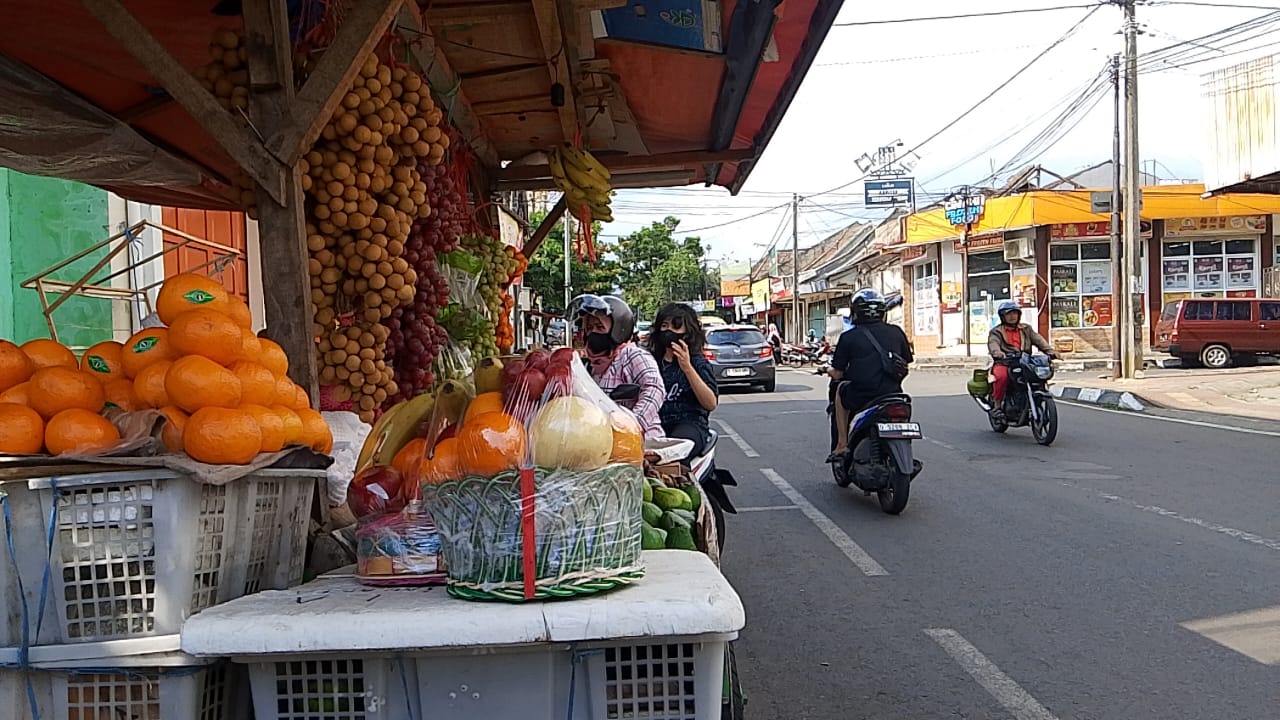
537,359
379,479
559,380
563,357
511,372
532,384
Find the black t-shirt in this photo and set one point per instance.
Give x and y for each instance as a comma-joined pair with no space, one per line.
682,404
860,362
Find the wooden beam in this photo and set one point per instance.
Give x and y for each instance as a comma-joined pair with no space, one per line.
556,48
544,228
233,138
749,29
440,76
358,35
634,162
510,106
282,225
146,107
662,178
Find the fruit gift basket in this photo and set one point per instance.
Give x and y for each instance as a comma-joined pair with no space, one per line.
540,498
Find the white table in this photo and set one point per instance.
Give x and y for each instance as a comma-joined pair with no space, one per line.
433,653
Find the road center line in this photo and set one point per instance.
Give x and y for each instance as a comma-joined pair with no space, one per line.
838,537
1003,688
768,508
1242,535
733,435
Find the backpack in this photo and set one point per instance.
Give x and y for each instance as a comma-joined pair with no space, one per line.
891,363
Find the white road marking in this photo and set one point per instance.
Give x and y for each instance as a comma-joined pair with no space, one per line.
1180,421
768,508
1003,688
838,537
1242,535
733,435
1254,634
941,444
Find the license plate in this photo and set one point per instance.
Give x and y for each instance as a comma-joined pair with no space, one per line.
737,372
899,430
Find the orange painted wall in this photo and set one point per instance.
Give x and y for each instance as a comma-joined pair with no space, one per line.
217,226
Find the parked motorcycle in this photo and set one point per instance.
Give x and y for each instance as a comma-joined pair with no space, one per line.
1027,401
880,459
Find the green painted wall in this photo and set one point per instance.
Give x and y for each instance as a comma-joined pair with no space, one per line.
43,221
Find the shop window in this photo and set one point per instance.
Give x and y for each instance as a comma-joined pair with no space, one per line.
1215,266
1080,286
993,286
1239,247
1177,249
1233,311
1206,247
987,262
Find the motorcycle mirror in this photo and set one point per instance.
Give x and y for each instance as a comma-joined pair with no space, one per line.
625,392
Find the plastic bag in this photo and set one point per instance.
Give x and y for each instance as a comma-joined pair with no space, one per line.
349,433
454,362
399,549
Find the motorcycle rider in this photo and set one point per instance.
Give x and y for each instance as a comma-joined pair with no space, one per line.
859,365
1006,341
607,325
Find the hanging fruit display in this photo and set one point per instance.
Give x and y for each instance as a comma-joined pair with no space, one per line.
584,182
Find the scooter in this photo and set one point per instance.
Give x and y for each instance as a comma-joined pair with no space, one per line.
1027,401
879,459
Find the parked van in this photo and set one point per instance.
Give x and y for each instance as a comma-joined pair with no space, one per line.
1216,332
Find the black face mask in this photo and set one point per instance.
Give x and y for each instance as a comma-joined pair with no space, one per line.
667,338
600,343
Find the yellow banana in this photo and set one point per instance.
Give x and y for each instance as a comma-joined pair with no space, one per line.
596,166
580,170
377,435
586,181
556,164
584,160
403,428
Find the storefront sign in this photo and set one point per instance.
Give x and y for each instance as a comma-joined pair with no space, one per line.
726,301
509,229
746,309
1024,290
760,296
735,287
965,210
888,193
1097,310
950,296
979,243
1234,225
778,290
1100,229
914,252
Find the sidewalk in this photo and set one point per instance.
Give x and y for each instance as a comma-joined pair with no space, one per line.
1245,392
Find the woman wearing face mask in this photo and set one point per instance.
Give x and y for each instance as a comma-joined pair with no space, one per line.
691,385
606,325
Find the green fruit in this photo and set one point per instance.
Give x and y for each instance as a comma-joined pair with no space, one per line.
648,493
685,515
695,496
651,513
652,538
669,498
681,538
669,521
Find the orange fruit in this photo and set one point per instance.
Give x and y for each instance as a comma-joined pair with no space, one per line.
55,389
222,436
409,457
239,312
105,360
285,394
21,430
49,353
208,333
628,439
175,424
491,442
19,394
189,291
79,431
271,425
445,464
315,431
120,393
145,348
293,427
15,366
195,382
149,384
484,403
257,384
273,357
301,400
251,348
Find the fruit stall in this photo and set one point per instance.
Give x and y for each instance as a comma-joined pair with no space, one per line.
153,488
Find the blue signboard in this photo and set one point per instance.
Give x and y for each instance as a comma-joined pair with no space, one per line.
670,23
962,211
888,193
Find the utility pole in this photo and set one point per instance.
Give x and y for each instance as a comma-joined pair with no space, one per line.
965,311
568,275
1117,245
797,336
1132,197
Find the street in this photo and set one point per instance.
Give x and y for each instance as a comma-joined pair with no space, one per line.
1021,582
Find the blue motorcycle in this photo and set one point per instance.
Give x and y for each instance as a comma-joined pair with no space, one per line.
879,459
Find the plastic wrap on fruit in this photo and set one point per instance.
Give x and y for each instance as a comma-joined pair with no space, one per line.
376,491
454,362
401,547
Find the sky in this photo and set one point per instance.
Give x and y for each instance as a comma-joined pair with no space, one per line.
873,85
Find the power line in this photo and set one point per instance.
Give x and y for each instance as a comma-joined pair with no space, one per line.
993,13
735,221
1225,6
1070,31
912,58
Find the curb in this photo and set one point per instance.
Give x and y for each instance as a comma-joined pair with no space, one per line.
1098,396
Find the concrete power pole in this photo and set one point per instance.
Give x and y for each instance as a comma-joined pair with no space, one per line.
568,274
1132,199
1118,274
797,336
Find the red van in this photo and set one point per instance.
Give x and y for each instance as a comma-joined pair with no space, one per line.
1216,332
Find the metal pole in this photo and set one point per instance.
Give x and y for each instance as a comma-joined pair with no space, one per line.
568,276
1133,190
1117,246
797,338
965,313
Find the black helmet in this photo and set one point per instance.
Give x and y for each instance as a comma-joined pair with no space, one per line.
624,319
867,306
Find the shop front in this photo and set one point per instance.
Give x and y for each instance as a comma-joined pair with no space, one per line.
1082,300
1213,257
922,301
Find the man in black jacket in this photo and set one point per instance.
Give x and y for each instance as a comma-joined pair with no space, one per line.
865,371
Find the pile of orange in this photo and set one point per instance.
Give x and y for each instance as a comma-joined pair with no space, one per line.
225,393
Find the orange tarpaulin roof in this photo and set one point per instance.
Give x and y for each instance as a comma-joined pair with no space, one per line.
1045,207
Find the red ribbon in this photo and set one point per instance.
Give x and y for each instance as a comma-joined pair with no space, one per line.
528,547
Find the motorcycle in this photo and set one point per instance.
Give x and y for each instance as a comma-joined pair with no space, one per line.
713,481
1027,401
879,459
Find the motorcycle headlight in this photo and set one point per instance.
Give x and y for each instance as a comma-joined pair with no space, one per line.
1044,372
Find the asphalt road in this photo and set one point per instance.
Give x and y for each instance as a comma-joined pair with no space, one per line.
1021,582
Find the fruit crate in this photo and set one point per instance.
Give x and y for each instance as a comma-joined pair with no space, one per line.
334,688
118,556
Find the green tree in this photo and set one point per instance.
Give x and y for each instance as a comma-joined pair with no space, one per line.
656,268
546,269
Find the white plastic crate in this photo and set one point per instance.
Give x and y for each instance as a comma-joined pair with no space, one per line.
135,553
334,688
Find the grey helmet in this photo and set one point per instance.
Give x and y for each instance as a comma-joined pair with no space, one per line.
624,319
867,306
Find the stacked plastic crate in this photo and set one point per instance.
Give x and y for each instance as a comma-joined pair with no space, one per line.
99,572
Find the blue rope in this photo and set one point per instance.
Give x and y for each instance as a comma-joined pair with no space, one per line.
48,557
23,650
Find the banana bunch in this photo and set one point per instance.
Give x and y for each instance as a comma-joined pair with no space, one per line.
583,180
409,418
